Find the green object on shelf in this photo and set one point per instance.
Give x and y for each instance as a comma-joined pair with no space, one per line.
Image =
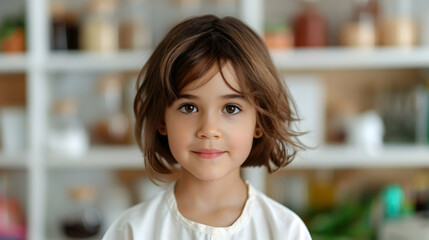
329,222
274,28
9,25
408,209
350,220
393,199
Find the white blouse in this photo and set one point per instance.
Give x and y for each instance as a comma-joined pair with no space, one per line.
159,218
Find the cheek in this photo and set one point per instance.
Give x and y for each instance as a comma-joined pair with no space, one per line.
178,136
241,137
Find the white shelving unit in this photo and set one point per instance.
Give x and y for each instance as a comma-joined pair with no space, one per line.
38,63
109,158
324,157
13,63
16,161
108,62
346,157
352,58
302,59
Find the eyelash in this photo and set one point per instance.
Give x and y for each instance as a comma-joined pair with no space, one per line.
181,108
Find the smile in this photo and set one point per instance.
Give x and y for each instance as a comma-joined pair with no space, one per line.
208,153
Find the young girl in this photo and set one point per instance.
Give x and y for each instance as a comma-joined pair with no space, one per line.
209,102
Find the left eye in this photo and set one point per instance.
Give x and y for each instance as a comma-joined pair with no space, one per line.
231,109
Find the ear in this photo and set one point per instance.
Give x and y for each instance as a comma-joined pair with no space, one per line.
162,129
258,132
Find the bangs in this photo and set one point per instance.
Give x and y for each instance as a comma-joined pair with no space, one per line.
202,59
202,70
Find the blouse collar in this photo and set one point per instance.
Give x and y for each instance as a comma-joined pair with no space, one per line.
245,214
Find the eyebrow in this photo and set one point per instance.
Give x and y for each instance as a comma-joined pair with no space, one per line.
227,96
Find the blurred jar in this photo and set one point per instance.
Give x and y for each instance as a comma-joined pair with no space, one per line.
113,126
64,28
83,219
309,26
278,36
421,194
181,9
366,132
12,222
134,29
361,30
100,27
67,136
321,190
392,197
397,25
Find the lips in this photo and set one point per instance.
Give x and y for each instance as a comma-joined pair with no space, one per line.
209,153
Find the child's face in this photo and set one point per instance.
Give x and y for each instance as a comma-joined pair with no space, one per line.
210,128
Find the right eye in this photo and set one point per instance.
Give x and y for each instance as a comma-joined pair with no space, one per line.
188,108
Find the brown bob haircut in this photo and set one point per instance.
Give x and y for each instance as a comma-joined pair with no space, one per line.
187,53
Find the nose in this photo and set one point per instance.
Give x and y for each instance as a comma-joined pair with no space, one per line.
209,127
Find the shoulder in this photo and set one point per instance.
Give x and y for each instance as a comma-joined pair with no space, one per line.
280,220
137,219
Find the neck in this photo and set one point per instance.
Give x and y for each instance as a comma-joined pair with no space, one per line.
211,194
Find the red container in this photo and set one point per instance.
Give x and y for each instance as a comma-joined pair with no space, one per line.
11,221
309,26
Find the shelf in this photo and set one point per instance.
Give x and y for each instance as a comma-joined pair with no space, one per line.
13,161
341,157
13,63
62,61
351,58
297,59
333,156
102,158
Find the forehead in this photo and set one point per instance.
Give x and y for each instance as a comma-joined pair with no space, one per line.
226,73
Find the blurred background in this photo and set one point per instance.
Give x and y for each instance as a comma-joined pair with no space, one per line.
357,69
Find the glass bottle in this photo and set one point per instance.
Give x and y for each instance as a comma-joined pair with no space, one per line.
134,28
83,219
309,26
360,31
398,26
64,28
100,27
421,194
113,126
67,136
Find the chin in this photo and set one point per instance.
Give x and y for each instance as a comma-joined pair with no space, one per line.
210,175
